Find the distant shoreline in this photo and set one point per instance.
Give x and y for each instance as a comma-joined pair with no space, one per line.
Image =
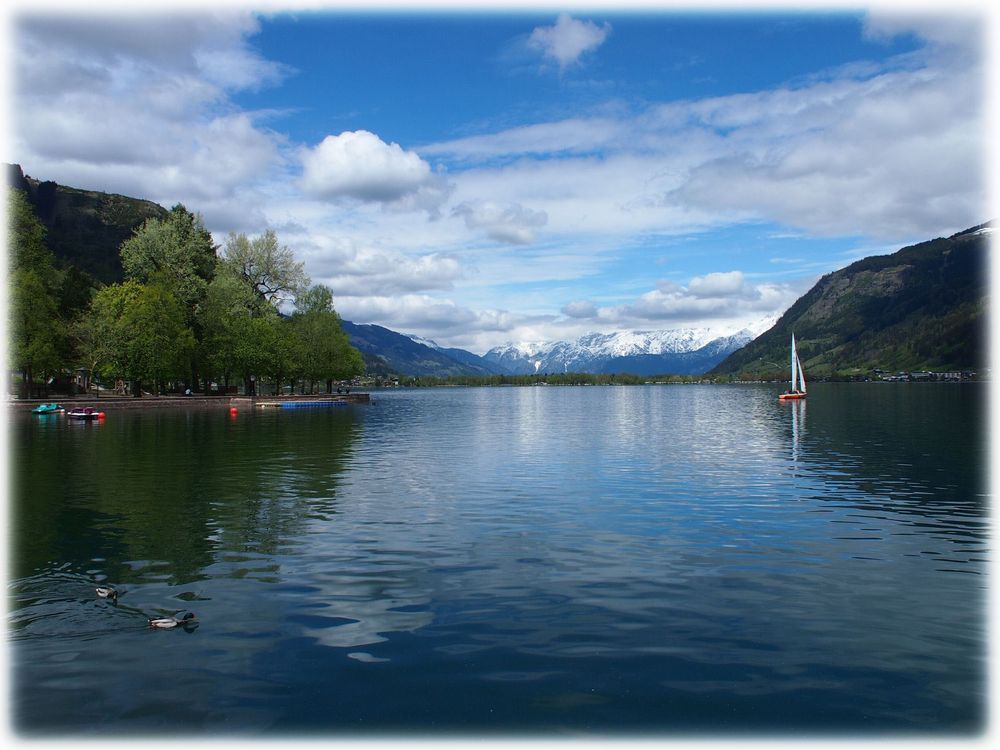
363,397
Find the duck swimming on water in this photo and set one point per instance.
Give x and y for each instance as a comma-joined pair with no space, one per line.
171,622
108,592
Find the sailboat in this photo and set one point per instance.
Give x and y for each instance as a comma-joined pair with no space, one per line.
798,389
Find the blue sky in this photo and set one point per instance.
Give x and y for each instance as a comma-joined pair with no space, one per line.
478,177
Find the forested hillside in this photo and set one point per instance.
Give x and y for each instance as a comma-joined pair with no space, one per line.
924,307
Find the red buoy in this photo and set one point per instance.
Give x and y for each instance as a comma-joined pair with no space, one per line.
232,411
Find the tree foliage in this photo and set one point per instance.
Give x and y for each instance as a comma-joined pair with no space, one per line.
324,350
37,337
157,342
177,252
267,267
181,312
38,341
26,236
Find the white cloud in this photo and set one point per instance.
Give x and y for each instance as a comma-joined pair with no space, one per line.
353,269
568,39
103,103
580,135
890,153
580,309
727,284
720,296
422,314
962,32
362,166
511,223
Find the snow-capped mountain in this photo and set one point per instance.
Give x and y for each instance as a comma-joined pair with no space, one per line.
680,351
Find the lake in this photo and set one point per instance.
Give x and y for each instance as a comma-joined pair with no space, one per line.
682,560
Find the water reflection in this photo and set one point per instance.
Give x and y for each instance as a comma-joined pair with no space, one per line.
662,557
798,415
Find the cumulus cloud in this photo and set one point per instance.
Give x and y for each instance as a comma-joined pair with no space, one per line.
362,166
961,33
580,309
898,153
728,284
512,223
714,296
448,323
568,39
356,270
104,103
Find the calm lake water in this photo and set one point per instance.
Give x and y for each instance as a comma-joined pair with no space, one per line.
667,560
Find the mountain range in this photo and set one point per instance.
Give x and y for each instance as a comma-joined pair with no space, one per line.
685,351
386,352
680,351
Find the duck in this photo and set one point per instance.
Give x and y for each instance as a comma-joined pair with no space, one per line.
171,622
108,592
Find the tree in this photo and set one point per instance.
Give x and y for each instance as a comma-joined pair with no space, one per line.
26,236
101,333
228,300
243,335
178,253
157,341
257,347
324,350
138,331
269,269
38,341
37,336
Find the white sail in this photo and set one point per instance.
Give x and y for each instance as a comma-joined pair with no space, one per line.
794,360
802,373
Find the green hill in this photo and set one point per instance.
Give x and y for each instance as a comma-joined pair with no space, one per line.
921,308
84,228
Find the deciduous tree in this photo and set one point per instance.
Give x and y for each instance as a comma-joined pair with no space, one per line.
266,267
324,350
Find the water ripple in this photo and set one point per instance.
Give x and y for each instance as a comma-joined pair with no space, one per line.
667,558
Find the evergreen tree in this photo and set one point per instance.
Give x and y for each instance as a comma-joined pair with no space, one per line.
37,333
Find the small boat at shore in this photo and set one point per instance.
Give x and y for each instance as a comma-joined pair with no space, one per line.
47,409
798,389
86,412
